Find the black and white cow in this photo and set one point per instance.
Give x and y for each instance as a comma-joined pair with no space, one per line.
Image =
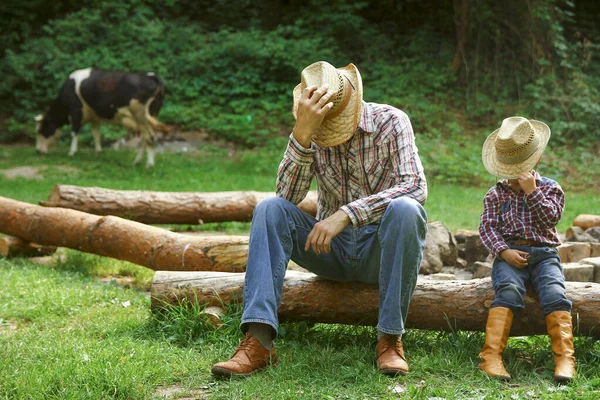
131,99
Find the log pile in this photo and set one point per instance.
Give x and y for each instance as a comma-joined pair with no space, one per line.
150,207
448,306
15,247
108,236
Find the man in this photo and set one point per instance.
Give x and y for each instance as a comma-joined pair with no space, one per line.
370,224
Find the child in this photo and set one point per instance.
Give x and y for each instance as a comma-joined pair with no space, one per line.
518,226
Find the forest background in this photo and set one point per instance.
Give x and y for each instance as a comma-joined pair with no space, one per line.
457,68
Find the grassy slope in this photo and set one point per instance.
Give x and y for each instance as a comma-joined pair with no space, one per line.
457,207
63,334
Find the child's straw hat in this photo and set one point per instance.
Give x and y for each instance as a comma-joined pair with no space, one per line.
515,147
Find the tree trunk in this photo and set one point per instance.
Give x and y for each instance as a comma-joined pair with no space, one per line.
586,221
119,238
165,207
461,21
15,247
436,305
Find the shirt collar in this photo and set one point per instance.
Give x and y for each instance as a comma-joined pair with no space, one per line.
366,123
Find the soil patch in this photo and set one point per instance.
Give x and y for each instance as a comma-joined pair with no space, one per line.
32,171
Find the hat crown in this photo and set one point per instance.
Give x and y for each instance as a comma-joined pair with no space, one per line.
516,140
322,73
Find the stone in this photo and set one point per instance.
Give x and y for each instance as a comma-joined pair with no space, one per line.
578,272
482,270
570,252
470,246
461,263
440,249
443,277
595,262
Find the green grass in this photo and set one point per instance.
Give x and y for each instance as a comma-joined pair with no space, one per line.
66,335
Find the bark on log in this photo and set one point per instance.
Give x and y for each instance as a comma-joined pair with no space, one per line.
119,238
15,247
165,207
448,305
586,221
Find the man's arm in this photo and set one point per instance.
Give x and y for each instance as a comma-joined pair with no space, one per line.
295,173
407,167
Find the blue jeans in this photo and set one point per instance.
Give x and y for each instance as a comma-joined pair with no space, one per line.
389,254
543,271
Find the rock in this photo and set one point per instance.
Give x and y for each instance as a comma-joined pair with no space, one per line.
594,249
570,252
463,275
440,249
461,263
443,277
595,262
578,272
470,247
594,232
482,270
573,230
583,237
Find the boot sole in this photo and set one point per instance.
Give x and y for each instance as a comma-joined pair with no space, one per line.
393,372
228,373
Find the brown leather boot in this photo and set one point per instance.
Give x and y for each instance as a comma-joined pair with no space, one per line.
390,356
249,357
560,328
496,336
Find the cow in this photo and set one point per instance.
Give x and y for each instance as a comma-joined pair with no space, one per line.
131,99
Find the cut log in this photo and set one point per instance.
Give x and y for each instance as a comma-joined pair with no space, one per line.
586,221
15,247
440,305
119,238
165,207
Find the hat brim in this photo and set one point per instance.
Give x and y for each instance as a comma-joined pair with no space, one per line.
342,127
512,171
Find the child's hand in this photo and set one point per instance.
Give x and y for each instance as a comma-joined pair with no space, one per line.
527,182
515,258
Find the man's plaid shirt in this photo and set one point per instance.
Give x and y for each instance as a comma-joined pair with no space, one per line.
509,215
378,164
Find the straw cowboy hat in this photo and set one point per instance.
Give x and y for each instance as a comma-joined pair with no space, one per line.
341,121
515,147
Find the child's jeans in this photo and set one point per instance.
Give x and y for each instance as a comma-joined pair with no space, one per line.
543,271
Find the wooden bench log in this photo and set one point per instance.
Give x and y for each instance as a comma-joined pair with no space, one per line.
15,247
108,236
447,305
150,207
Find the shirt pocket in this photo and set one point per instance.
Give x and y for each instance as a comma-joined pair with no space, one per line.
378,170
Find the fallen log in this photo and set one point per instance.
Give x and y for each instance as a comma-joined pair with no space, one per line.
15,247
448,305
122,239
165,207
586,221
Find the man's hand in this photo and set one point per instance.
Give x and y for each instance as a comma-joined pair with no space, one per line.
515,258
312,107
324,231
527,182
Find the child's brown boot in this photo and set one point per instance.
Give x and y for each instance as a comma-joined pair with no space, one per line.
560,328
496,335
